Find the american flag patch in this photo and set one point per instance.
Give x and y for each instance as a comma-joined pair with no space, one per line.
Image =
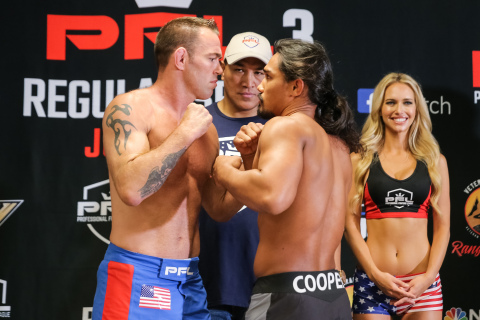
155,297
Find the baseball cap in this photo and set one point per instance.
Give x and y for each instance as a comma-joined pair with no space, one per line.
246,45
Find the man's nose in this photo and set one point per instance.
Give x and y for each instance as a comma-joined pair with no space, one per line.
260,86
218,69
249,79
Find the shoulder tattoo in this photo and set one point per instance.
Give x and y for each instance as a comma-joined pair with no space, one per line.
157,176
119,126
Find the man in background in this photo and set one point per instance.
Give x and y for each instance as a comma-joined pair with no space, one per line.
228,248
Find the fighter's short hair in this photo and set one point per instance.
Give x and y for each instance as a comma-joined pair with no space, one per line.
179,32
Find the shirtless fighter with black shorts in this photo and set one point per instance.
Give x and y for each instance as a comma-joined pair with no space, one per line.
297,176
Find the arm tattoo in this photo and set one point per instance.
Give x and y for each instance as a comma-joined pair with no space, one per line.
115,124
157,176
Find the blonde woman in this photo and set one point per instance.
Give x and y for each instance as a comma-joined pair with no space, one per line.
399,176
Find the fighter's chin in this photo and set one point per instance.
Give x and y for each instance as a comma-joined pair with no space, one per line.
205,95
264,114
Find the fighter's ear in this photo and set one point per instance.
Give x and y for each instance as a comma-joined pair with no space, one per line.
297,87
181,56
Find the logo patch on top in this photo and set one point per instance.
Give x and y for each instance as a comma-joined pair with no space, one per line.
399,198
155,298
251,41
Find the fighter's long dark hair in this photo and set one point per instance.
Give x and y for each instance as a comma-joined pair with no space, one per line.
310,63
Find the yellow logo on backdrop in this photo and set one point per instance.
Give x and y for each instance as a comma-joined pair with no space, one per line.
7,208
472,211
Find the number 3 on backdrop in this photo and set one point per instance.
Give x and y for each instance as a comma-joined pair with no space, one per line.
306,23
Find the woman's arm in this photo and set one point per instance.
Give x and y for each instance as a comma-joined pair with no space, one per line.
441,235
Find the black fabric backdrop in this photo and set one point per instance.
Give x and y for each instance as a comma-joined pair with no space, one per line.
63,61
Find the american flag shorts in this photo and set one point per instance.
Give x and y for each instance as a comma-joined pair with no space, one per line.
369,299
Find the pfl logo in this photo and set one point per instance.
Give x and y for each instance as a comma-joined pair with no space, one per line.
476,68
251,41
63,27
4,310
399,198
476,75
96,208
178,271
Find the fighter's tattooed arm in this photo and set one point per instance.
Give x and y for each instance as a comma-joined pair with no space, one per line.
157,176
120,126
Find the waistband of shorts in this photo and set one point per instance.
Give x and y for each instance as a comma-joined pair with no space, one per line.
183,268
325,285
403,277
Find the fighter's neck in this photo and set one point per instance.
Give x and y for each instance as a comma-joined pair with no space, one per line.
172,94
306,108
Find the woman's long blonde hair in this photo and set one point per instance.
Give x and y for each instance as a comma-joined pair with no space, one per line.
421,142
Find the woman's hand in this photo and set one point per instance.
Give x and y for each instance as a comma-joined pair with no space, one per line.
393,287
417,286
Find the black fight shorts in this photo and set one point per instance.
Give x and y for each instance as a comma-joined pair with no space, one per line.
300,295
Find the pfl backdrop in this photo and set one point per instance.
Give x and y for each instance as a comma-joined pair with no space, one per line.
63,61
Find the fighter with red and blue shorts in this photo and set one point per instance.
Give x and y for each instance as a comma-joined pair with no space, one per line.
134,286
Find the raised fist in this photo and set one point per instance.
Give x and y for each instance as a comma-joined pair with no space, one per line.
222,166
246,140
196,120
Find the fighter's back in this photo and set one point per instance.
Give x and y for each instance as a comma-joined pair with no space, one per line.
293,239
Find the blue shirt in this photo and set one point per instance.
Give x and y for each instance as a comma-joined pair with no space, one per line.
227,249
